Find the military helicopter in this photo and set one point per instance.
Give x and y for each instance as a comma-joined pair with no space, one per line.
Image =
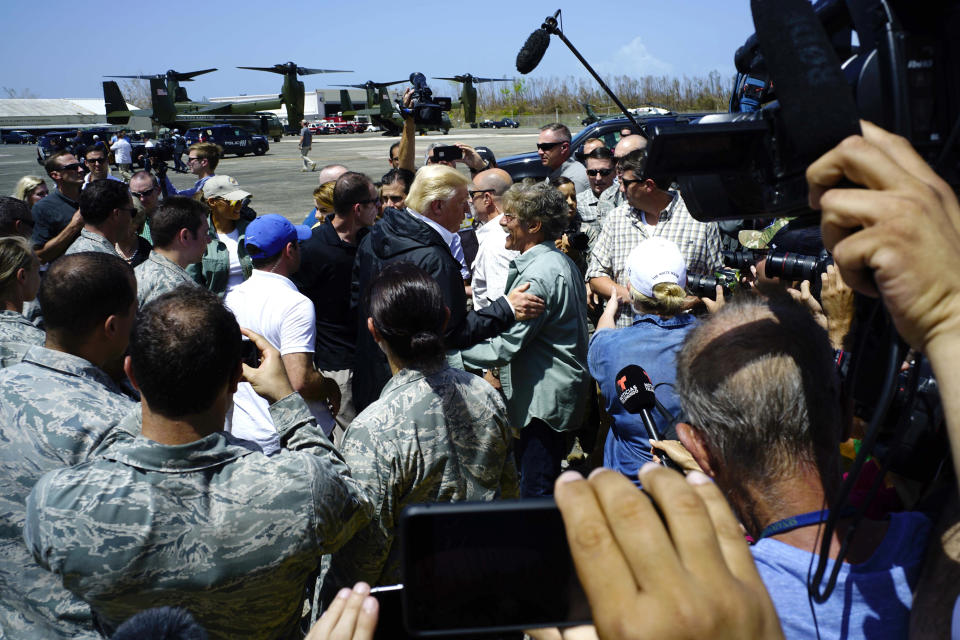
468,95
383,111
292,92
591,116
172,108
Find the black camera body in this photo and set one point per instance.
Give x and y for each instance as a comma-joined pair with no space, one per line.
904,75
705,285
426,109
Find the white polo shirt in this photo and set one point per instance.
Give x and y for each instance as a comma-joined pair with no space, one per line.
270,305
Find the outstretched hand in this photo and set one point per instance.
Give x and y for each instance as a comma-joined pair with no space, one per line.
687,574
270,378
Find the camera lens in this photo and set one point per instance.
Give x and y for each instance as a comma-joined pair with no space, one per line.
792,266
741,259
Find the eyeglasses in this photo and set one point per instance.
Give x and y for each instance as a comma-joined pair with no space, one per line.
480,192
626,183
602,172
546,146
233,203
96,160
193,159
73,166
140,195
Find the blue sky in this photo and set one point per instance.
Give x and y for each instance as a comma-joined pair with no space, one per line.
55,50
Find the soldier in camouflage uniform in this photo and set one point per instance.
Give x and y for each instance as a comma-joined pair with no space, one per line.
56,409
107,210
19,282
180,234
187,515
436,434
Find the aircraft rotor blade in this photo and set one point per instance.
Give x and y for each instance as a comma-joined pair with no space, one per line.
141,77
189,75
269,69
303,71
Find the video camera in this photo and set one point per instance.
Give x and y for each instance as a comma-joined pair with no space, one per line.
425,109
902,74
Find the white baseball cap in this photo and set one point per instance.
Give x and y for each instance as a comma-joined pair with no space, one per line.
653,261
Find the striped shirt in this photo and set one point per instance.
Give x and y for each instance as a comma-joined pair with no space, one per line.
623,229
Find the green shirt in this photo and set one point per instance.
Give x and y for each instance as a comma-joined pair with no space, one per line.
545,375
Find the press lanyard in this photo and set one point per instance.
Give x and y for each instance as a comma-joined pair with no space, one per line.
802,520
794,522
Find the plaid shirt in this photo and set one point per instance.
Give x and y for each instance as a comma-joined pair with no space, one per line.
622,230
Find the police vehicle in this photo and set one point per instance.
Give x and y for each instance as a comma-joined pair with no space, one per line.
232,139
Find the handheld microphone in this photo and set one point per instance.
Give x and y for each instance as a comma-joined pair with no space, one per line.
806,74
637,396
532,51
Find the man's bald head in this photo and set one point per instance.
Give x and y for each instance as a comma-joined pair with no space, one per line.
628,144
331,172
496,179
487,188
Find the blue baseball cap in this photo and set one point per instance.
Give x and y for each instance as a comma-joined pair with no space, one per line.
271,233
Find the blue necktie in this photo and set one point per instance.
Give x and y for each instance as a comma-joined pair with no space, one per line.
457,250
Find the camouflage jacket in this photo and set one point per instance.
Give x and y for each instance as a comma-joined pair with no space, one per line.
91,241
15,328
156,276
435,435
55,410
211,526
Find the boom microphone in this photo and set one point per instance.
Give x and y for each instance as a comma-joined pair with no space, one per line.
532,51
815,99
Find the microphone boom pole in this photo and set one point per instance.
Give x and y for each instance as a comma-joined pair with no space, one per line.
550,26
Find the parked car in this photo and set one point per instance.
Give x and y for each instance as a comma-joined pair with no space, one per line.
19,137
528,165
231,138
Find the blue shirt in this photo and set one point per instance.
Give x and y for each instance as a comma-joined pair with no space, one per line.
871,600
651,342
186,193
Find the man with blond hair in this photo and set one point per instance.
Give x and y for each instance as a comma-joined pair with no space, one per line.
202,160
425,233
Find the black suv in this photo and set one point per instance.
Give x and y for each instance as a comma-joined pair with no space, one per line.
528,165
231,138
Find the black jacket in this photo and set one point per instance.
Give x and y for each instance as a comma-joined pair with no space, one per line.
398,236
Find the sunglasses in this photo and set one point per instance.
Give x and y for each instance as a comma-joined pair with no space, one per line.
143,194
546,146
626,183
602,172
73,166
480,192
96,160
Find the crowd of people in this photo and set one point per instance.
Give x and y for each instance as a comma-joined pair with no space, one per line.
214,419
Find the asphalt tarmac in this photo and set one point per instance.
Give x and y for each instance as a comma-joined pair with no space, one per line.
275,179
